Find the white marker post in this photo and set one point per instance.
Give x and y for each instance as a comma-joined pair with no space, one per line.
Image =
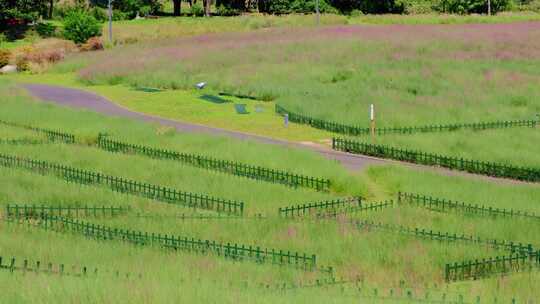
372,119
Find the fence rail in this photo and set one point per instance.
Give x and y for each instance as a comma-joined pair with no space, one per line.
312,208
443,205
483,268
60,269
446,236
52,135
122,185
33,211
220,165
356,209
357,130
454,163
227,250
21,141
218,216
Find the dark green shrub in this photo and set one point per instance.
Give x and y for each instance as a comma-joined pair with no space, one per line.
368,6
131,8
119,15
79,26
418,6
197,10
309,6
45,29
223,10
99,13
472,6
60,11
279,7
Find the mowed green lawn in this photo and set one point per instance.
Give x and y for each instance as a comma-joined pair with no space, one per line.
382,260
191,106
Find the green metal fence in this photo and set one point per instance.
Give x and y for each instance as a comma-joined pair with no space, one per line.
444,205
52,135
226,250
57,269
220,165
308,209
357,130
486,267
375,206
122,185
423,158
332,209
33,211
21,141
445,236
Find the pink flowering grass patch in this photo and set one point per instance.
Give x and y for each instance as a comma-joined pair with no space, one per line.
335,72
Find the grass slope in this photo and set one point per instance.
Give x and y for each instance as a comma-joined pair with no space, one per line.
380,259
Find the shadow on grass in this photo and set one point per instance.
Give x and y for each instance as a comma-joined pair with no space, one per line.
214,99
147,90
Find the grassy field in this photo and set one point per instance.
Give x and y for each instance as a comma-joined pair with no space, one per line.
511,146
133,31
440,73
416,74
191,106
382,260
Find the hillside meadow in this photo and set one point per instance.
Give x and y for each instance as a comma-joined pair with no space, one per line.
372,259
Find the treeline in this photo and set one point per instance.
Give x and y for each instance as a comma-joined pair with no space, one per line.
376,7
14,13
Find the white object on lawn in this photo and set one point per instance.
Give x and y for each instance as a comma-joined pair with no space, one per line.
8,69
201,85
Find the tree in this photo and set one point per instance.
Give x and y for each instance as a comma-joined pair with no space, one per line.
239,5
22,10
368,6
15,15
206,4
177,4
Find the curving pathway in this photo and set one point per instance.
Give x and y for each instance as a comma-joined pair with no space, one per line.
85,100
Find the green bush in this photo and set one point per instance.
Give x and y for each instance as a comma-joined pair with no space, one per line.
197,9
223,10
533,6
61,11
99,13
118,15
45,29
309,6
472,6
79,26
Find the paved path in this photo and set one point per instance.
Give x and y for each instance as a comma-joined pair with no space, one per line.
86,100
